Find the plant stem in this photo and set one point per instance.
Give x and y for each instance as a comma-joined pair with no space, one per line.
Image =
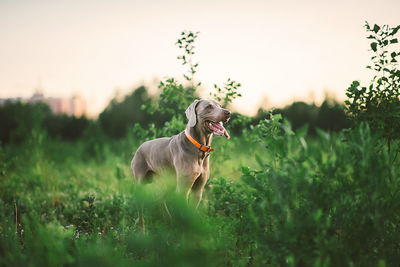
16,216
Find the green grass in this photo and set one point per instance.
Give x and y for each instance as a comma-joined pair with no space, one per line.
327,201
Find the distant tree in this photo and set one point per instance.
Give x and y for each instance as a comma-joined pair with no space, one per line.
300,113
330,116
17,120
66,127
120,115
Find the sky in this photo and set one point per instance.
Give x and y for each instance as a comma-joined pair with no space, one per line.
280,51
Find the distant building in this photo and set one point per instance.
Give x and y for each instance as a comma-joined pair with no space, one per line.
37,97
73,106
77,106
58,105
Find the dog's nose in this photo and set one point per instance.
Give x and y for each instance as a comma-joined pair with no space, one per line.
227,112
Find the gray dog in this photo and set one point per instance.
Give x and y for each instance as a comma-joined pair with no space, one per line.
187,152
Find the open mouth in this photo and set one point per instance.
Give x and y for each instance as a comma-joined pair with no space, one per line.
217,128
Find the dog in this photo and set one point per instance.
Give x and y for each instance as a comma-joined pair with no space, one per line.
187,153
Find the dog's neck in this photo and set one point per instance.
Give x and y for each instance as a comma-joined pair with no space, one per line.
200,136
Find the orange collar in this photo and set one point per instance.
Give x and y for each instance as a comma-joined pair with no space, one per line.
197,144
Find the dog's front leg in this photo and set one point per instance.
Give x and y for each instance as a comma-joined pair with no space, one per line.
185,183
198,188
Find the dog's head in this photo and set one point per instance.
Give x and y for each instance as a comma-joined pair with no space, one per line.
208,116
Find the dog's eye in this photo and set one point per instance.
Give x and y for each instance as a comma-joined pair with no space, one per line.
209,106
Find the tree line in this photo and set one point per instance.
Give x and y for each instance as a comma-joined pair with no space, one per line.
18,120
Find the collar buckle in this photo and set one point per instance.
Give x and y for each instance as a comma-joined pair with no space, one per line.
201,147
207,147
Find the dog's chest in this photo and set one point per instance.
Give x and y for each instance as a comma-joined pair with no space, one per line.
201,164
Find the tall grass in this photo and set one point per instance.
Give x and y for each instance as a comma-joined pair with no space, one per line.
330,200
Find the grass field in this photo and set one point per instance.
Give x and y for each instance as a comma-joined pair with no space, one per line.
330,200
275,197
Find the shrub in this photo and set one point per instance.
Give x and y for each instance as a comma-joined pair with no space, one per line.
379,103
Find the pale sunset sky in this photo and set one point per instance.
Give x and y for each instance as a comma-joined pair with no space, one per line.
280,51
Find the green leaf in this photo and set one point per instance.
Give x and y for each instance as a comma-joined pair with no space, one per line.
259,160
302,131
393,54
394,41
277,116
322,134
373,46
376,28
395,30
246,170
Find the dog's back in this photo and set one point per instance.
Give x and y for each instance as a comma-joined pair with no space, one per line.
151,157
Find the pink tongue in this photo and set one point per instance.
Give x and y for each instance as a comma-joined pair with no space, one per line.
226,135
222,129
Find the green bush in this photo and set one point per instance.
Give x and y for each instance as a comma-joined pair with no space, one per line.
379,103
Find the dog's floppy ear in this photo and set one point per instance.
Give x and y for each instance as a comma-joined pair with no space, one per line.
191,113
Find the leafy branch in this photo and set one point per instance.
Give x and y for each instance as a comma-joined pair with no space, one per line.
379,103
227,93
186,43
